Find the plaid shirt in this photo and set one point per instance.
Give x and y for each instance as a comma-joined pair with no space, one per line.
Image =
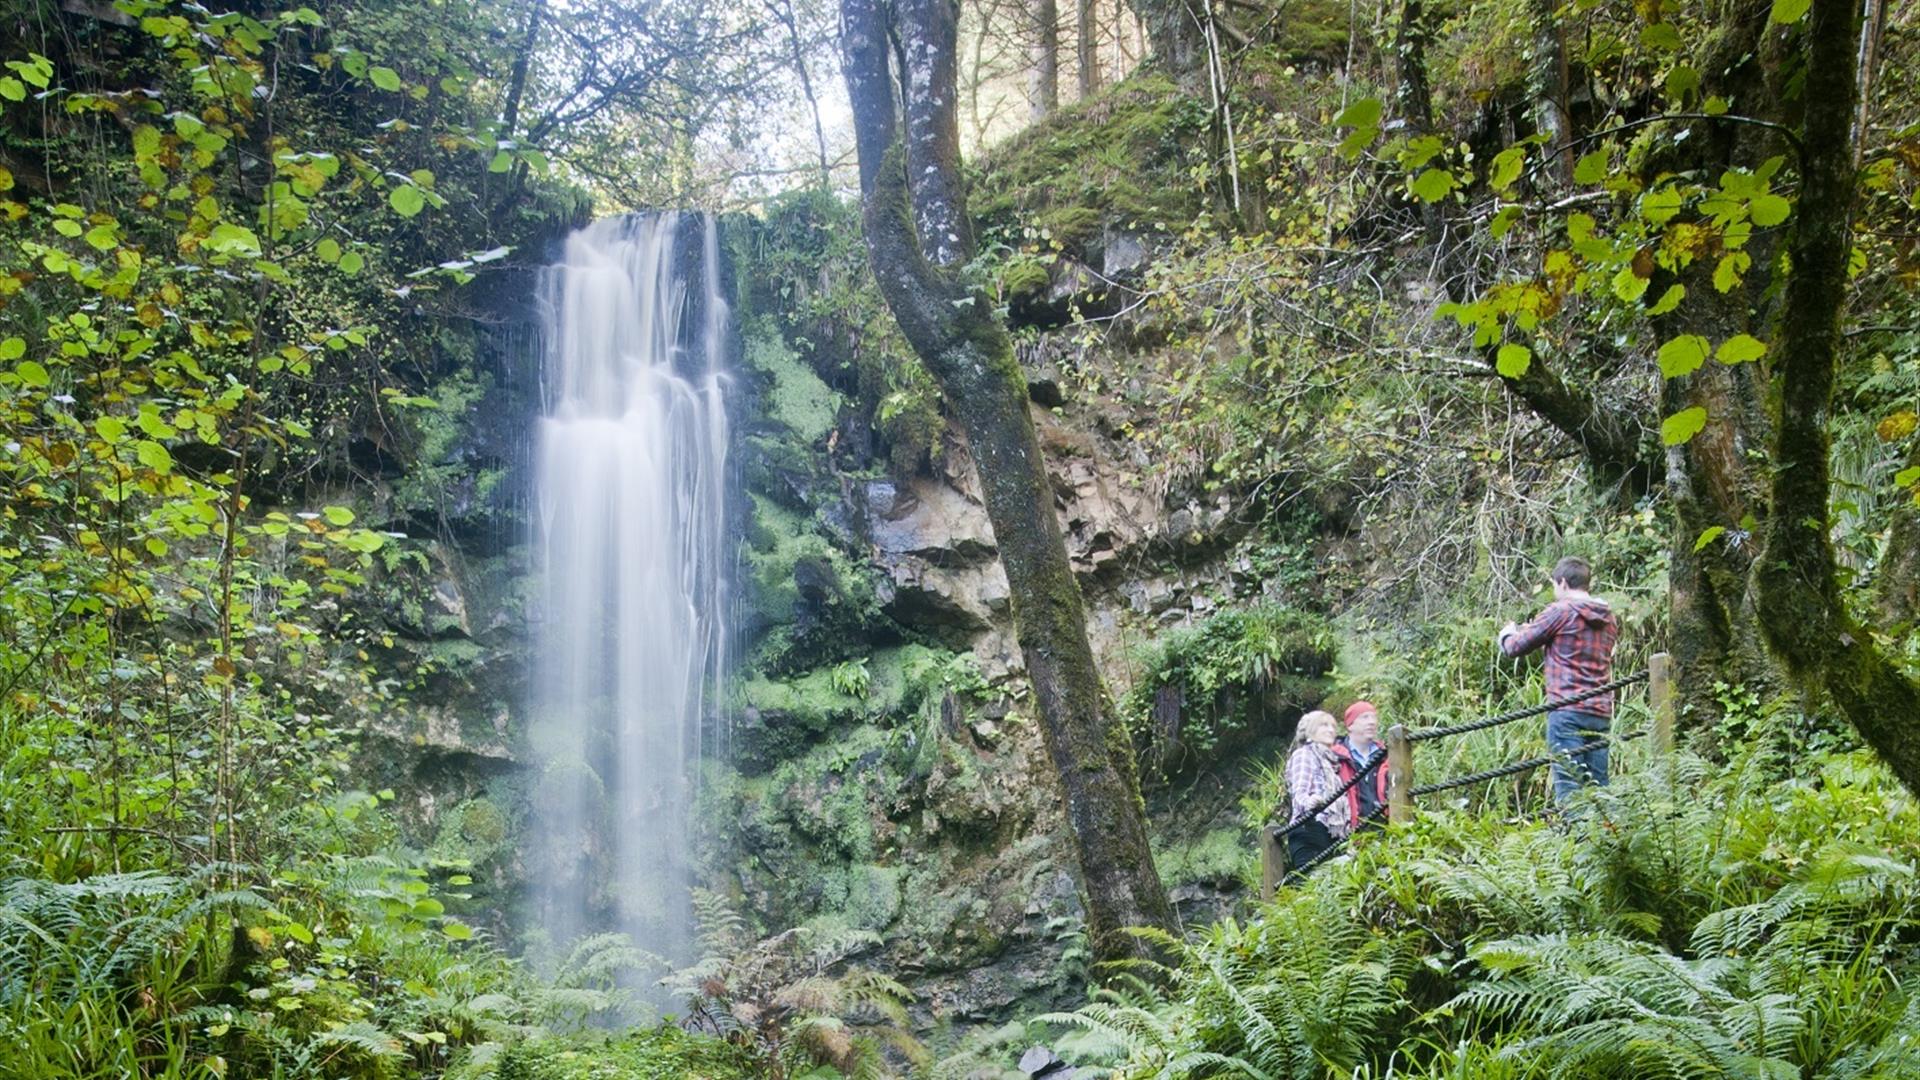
1578,636
1310,779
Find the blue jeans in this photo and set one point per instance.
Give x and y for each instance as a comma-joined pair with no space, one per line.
1567,729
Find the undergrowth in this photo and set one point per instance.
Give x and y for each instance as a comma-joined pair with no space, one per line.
1686,922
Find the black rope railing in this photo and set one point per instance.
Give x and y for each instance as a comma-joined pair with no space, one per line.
1496,773
1277,834
1482,777
1426,734
1338,794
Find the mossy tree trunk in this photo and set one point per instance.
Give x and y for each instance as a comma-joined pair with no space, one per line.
1714,480
918,238
1803,612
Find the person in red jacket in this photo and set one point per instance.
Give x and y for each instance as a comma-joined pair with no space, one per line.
1578,631
1358,748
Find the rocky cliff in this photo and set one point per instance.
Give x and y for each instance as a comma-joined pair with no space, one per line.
883,786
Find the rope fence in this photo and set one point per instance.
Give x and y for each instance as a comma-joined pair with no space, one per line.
1399,760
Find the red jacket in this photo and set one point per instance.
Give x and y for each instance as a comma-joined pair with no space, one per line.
1346,766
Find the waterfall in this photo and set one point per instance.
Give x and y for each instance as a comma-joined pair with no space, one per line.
630,501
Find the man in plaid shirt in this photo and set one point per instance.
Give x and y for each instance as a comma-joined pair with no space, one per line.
1578,631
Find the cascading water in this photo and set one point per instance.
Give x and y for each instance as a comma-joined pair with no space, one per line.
630,493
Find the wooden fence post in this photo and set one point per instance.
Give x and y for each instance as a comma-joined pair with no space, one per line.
1399,775
1660,698
1273,860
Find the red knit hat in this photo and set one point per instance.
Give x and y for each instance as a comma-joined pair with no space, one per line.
1356,709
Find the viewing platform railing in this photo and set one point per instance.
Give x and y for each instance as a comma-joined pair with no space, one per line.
1401,774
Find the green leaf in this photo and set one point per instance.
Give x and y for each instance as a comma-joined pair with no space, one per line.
1512,361
1506,167
1659,207
229,239
1681,81
1661,36
501,162
1708,535
1790,11
406,200
1768,210
1364,113
1668,300
1683,426
1727,274
1502,222
1629,286
351,262
338,516
1905,477
146,141
1591,168
13,348
384,77
12,89
1433,185
153,456
1740,349
1683,354
328,249
110,428
31,373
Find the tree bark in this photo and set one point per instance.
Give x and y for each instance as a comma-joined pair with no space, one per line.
1712,480
522,61
918,238
1179,45
1046,58
1803,612
1549,78
1086,39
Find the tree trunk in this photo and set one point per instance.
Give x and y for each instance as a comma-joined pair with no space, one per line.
1086,39
1414,94
1712,480
1179,45
1803,613
1046,58
522,61
918,238
1549,79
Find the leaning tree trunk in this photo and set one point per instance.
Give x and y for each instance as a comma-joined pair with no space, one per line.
918,238
1803,612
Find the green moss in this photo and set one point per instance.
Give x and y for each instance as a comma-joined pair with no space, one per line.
1230,672
817,604
1117,159
798,398
662,1053
1219,856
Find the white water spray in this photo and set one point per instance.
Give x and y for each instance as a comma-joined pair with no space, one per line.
630,491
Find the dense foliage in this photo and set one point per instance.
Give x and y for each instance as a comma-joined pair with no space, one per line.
1691,921
246,259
